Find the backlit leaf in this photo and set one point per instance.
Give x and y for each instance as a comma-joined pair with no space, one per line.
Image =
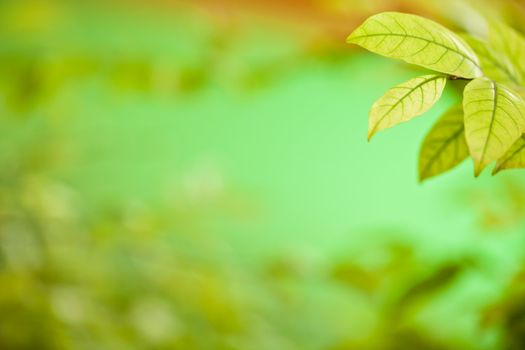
510,43
405,101
494,120
445,146
494,63
514,158
418,41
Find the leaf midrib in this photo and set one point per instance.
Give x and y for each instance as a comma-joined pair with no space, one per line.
423,39
374,130
491,125
440,151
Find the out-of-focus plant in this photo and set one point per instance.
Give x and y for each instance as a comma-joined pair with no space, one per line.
399,286
508,313
120,278
126,276
488,125
499,208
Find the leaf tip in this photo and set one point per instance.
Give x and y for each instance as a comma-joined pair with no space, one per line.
421,175
478,170
370,135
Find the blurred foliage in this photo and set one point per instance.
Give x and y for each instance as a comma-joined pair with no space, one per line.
509,313
500,207
129,278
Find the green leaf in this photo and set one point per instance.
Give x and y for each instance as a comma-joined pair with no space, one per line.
418,41
445,146
405,101
510,43
494,120
514,158
494,63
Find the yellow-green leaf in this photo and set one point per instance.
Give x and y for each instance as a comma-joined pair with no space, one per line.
494,120
494,64
514,158
405,101
418,41
510,43
445,146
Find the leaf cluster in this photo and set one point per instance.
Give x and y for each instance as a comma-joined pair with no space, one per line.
488,126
